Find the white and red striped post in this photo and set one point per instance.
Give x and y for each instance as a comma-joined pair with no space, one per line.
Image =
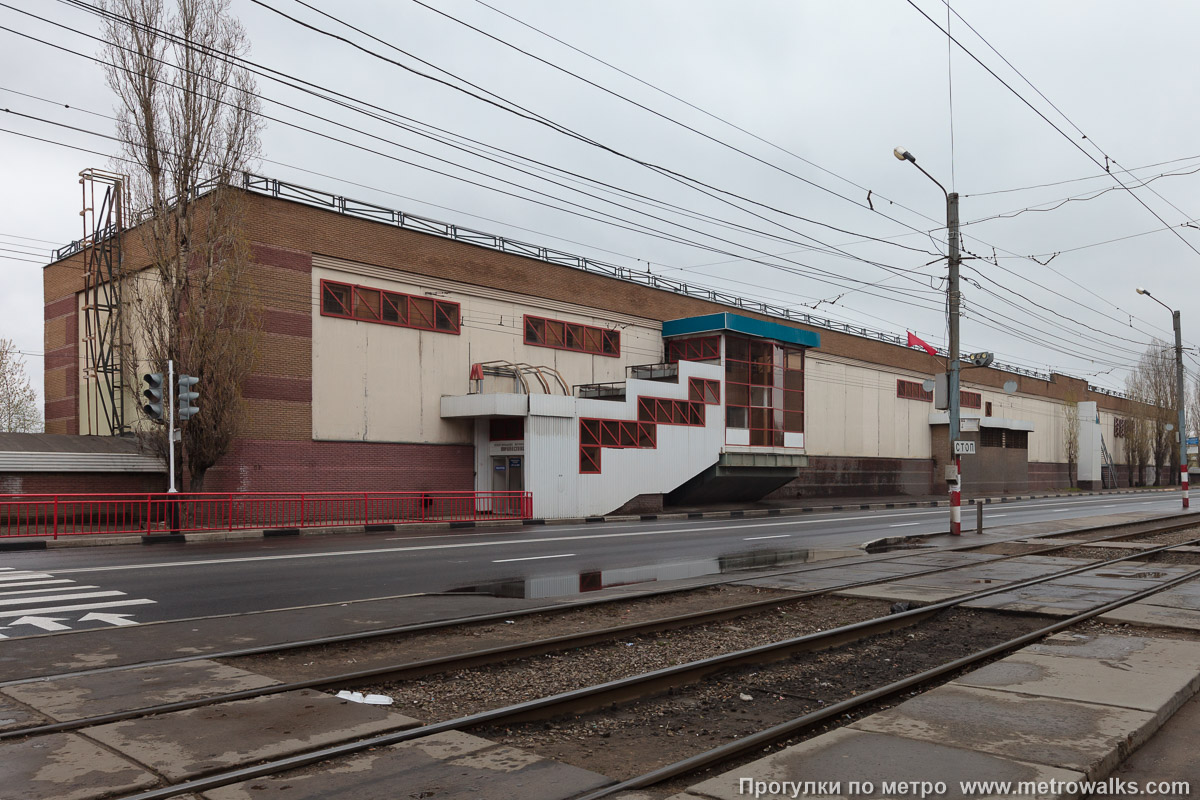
956,500
1183,478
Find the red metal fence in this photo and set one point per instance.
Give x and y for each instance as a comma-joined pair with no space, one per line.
79,514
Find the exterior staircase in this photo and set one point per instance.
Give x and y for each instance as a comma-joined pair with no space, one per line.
1108,471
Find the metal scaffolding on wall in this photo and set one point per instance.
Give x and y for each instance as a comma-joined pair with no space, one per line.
104,208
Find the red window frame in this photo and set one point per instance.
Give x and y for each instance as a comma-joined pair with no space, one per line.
970,399
911,390
370,304
764,391
506,429
665,411
576,337
705,391
702,348
596,433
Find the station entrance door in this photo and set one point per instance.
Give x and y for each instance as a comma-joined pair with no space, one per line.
508,473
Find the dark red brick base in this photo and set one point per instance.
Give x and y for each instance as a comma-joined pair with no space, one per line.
82,482
830,476
280,466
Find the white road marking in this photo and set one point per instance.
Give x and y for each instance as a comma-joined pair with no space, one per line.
79,596
504,542
22,576
40,591
81,607
994,516
776,536
34,583
532,558
903,524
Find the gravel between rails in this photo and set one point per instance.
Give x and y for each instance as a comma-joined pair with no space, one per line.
635,738
1098,553
1173,537
457,694
314,662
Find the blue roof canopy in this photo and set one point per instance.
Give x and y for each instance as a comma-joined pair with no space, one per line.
734,323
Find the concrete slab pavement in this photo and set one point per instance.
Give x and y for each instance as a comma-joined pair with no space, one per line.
186,744
449,766
66,766
1068,709
1082,737
104,693
1169,757
846,755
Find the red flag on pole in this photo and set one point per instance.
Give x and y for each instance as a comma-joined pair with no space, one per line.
917,341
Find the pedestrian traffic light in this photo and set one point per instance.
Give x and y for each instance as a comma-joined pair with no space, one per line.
187,397
153,393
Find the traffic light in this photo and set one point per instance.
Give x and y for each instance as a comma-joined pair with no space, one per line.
187,397
153,393
980,359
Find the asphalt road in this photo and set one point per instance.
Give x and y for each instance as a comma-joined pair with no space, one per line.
79,588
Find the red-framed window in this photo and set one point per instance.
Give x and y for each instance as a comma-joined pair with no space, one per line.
911,390
970,399
703,348
670,412
561,335
595,434
367,304
764,389
702,390
506,429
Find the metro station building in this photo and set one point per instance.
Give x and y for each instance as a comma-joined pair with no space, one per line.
400,353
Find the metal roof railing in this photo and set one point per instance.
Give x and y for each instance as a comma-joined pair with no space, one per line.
357,208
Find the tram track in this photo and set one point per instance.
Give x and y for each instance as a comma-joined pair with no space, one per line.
1121,530
654,683
526,649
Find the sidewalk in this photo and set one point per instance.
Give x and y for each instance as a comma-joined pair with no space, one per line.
1049,717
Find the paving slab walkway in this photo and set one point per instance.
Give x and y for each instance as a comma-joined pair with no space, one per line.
1068,709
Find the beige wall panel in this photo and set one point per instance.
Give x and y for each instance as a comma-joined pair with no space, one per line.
852,410
384,383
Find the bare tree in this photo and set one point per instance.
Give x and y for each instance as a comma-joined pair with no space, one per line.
19,412
1071,437
1153,384
188,120
1137,429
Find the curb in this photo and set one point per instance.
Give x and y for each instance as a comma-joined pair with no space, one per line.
92,540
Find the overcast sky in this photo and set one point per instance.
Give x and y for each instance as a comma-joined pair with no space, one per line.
822,93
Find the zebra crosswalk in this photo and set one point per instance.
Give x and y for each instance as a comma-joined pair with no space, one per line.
27,595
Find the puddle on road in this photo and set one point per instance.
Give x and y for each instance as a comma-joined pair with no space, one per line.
566,584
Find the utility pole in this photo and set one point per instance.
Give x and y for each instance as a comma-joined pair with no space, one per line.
954,399
171,425
1183,462
1180,401
953,296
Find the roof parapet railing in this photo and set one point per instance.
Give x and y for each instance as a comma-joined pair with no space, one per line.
273,187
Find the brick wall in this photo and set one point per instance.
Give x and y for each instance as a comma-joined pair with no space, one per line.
82,482
827,476
277,451
258,465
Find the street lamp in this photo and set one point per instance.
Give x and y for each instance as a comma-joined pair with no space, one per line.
953,298
1183,463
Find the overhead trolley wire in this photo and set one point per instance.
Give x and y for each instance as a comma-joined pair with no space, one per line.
533,116
1060,131
723,121
774,266
648,230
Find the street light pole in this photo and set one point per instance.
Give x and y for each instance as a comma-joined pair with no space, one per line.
953,297
1180,402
